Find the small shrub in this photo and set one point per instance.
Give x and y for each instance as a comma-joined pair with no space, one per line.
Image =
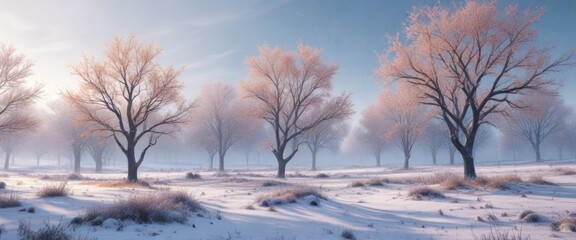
165,207
272,183
356,184
288,195
2,185
420,192
322,175
538,179
75,176
58,190
565,224
565,171
193,176
9,201
347,234
376,181
49,231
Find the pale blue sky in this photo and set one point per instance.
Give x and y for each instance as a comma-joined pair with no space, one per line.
213,38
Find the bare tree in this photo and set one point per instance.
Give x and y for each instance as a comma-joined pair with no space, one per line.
253,139
8,145
370,134
130,97
69,129
219,114
434,138
541,117
292,93
469,63
96,145
404,117
15,94
200,138
328,135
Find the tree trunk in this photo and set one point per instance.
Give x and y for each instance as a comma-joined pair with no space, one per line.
452,153
560,154
221,162
77,158
132,167
433,152
536,147
378,155
7,161
37,160
406,160
211,162
313,160
247,158
98,161
469,170
281,168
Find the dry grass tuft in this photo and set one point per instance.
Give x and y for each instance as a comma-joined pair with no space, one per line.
347,234
453,181
58,190
165,207
376,181
565,224
497,234
193,176
497,182
420,193
272,183
288,195
356,184
564,171
322,175
122,184
9,201
538,179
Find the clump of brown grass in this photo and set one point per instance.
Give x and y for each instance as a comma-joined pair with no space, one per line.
356,184
376,181
122,184
538,179
57,190
272,183
420,193
288,195
565,224
165,207
9,201
564,171
498,182
453,181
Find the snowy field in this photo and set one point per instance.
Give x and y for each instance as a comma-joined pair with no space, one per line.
352,204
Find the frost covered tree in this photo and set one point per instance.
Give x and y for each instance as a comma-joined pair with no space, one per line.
541,115
404,118
470,62
15,92
219,119
434,138
327,135
292,93
130,97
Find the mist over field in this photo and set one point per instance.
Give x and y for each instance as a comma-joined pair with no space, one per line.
251,119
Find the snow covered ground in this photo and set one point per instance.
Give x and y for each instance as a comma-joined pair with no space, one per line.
368,212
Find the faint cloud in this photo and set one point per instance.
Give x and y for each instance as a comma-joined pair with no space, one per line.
210,59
